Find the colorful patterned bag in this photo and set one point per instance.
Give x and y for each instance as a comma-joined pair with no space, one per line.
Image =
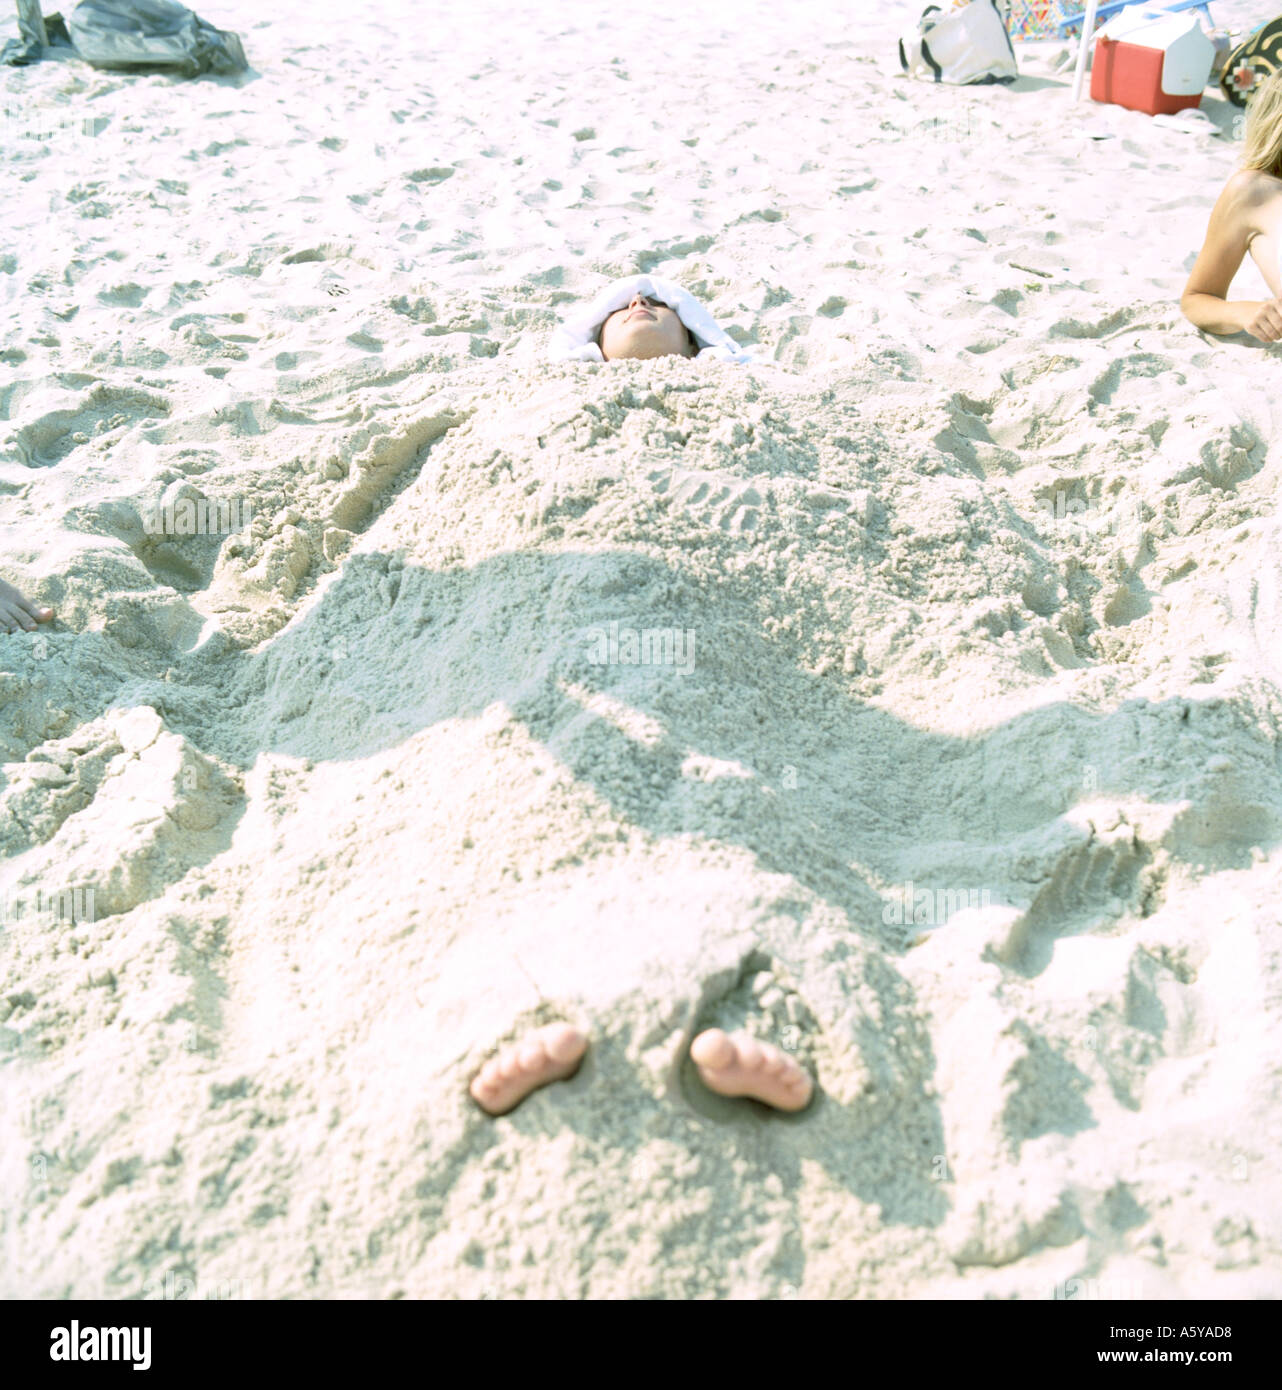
1251,62
1039,19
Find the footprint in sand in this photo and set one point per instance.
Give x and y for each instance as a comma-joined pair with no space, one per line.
47,439
716,499
123,811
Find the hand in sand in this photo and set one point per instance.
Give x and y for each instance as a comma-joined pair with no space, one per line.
730,1064
17,612
1267,323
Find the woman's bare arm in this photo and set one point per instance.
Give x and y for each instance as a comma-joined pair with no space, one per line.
1235,220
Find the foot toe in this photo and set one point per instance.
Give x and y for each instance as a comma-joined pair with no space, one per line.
751,1055
564,1043
712,1049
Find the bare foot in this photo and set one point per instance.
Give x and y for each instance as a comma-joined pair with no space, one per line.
549,1054
736,1064
17,612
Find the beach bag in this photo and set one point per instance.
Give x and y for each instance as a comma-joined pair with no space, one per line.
1251,62
152,34
968,46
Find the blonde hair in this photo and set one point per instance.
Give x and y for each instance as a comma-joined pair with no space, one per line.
1262,136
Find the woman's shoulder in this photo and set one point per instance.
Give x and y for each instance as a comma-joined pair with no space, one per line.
1253,186
1250,204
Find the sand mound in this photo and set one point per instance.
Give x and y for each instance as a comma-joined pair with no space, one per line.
921,721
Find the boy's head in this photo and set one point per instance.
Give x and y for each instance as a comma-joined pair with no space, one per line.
645,327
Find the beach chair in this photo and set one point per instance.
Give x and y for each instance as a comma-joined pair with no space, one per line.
1107,11
1095,11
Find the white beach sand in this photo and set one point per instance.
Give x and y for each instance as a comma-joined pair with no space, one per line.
982,565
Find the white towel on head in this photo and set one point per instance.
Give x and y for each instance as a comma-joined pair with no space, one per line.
574,338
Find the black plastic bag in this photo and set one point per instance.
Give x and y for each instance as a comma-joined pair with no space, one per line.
152,34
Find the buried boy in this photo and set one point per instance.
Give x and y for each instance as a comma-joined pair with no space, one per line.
642,316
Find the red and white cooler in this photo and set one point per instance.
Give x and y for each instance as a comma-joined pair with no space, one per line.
1151,61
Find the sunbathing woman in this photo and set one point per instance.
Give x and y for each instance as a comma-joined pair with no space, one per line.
18,612
1247,217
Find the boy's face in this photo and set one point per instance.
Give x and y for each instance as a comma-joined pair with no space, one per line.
644,327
